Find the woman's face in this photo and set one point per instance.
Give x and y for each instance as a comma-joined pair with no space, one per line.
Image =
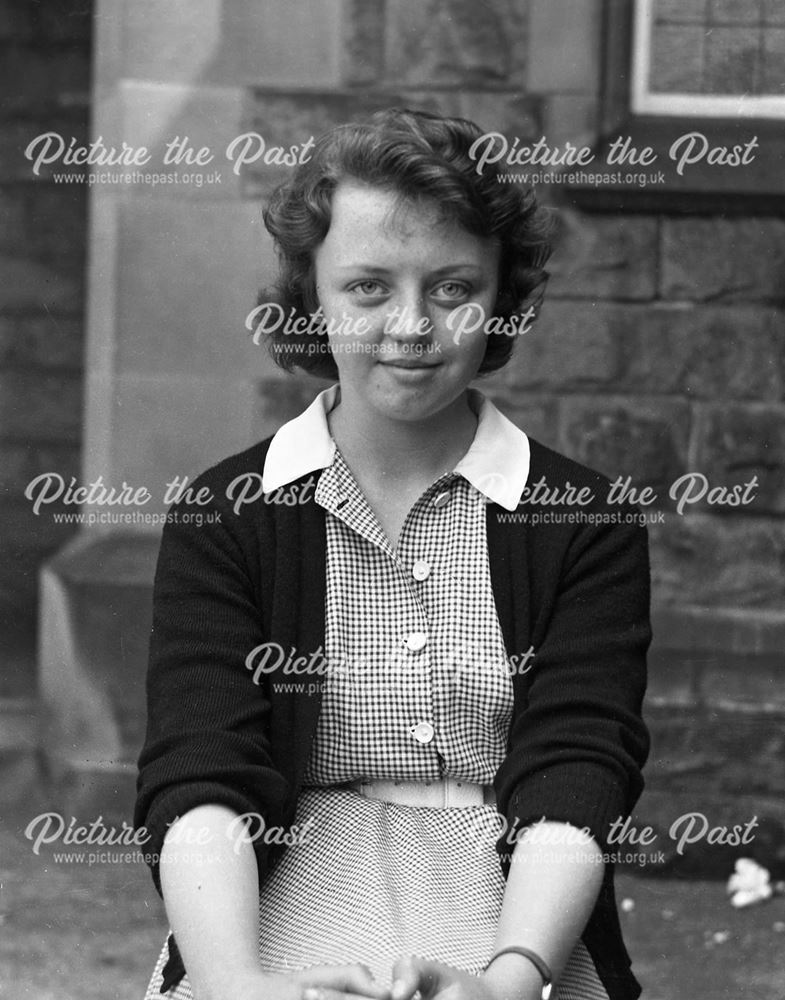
391,273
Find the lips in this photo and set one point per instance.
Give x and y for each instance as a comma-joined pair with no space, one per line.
414,364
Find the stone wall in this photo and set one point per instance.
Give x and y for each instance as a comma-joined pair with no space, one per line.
660,353
45,85
661,348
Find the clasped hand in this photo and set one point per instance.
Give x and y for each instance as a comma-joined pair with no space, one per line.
432,980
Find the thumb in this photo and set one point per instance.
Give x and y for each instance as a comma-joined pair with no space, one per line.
412,974
354,979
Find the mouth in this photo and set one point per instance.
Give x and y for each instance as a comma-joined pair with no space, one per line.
411,364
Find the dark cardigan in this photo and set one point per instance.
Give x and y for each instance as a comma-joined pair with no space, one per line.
578,593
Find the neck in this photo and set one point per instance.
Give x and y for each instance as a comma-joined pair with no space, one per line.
414,452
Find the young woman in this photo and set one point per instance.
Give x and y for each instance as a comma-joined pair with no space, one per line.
395,702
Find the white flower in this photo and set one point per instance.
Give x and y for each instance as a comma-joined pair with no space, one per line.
750,883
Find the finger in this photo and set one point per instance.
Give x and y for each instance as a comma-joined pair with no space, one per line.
330,993
412,974
355,978
405,978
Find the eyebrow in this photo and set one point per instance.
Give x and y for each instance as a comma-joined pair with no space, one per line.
447,269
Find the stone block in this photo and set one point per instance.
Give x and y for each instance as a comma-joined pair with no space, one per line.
449,42
30,537
773,12
96,608
175,123
604,257
28,285
18,611
714,658
280,44
42,342
280,398
570,118
723,259
733,444
703,352
40,406
61,21
13,230
293,118
682,11
18,614
274,42
514,114
719,562
176,42
33,79
19,730
741,682
757,633
643,438
571,346
734,12
673,677
19,766
564,46
537,414
725,766
187,423
57,225
188,276
17,21
28,540
363,47
17,133
23,462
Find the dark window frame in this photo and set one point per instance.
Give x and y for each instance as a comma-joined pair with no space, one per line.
756,187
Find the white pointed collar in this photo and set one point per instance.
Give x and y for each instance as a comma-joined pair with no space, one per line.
496,464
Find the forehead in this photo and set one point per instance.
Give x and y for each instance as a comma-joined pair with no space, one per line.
374,219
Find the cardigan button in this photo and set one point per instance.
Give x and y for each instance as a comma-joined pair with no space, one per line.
416,641
422,732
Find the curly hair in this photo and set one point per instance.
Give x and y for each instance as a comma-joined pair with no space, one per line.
419,156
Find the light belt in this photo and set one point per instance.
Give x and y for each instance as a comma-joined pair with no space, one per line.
444,793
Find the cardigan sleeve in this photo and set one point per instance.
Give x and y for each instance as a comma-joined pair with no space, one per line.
207,731
578,743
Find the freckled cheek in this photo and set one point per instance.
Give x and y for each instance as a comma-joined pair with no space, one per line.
469,351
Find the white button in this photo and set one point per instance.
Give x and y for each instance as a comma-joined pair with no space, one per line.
416,641
422,732
421,570
441,499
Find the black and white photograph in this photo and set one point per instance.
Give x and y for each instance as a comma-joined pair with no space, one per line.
392,495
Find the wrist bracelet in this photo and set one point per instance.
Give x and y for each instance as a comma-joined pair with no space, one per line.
534,958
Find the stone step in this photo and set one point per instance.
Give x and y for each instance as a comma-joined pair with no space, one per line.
20,764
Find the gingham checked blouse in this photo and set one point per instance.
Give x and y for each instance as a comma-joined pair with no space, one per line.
418,687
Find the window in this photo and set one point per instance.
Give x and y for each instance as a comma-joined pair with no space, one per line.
713,69
709,58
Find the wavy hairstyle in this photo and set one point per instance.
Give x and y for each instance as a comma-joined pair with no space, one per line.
420,156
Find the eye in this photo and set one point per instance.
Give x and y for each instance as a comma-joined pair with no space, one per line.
451,291
368,288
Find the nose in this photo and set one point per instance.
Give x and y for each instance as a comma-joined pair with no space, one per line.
410,321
